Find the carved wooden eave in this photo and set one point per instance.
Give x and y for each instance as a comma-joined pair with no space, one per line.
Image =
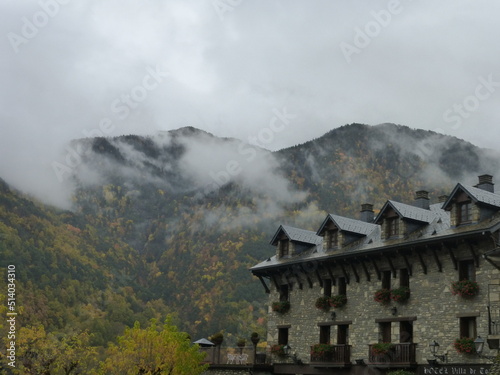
377,270
451,254
344,272
266,288
318,276
391,265
296,275
309,281
365,269
422,262
355,271
436,258
407,262
275,281
473,253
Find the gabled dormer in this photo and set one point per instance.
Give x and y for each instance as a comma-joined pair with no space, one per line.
472,204
290,241
399,219
338,231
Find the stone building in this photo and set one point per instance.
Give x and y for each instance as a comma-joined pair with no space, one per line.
389,291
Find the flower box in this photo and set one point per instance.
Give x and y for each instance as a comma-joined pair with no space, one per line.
278,350
322,352
401,294
338,301
323,303
465,288
281,306
465,345
382,348
382,295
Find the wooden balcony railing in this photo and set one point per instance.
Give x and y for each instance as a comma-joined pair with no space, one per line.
339,355
400,354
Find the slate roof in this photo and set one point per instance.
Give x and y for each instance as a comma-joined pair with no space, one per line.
298,235
407,211
349,225
477,194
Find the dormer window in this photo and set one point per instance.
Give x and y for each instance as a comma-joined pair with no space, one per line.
464,212
284,247
332,238
392,226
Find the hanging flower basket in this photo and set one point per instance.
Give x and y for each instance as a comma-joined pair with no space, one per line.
401,294
465,288
382,295
281,306
465,345
278,350
338,301
382,348
323,303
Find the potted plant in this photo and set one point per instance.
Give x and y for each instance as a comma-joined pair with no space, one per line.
338,301
400,294
321,352
382,348
281,306
382,295
464,345
278,350
217,338
465,288
255,338
323,303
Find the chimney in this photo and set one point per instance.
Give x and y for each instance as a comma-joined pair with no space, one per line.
422,199
442,198
367,215
486,183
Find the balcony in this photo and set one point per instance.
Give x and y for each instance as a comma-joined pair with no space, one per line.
337,356
399,355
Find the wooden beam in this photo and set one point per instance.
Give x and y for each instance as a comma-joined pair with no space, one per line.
355,272
436,258
408,265
328,269
474,254
264,284
422,263
275,282
377,271
365,269
389,260
452,256
344,273
309,281
296,275
320,280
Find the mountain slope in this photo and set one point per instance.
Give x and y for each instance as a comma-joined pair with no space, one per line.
172,222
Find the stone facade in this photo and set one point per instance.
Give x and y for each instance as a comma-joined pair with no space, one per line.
431,251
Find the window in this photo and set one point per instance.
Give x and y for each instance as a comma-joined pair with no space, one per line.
386,279
385,332
284,293
404,277
342,286
466,270
342,334
392,227
324,334
283,336
464,212
327,288
468,327
332,238
284,248
405,331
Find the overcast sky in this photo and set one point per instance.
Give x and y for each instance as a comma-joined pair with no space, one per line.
273,73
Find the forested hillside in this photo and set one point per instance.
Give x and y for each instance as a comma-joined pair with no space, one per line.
171,223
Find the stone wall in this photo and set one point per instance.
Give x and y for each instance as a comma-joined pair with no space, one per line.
436,312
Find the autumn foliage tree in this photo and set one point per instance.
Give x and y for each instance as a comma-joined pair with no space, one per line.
155,350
